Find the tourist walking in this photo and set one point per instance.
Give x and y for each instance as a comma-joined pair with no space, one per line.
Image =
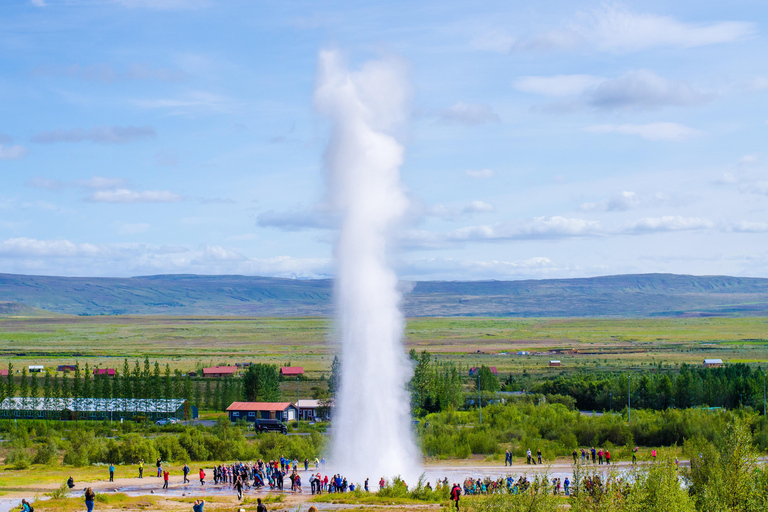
111,472
186,473
202,477
141,469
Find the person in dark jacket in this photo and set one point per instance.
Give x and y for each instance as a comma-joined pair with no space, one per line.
456,495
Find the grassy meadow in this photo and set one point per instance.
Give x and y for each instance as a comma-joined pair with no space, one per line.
184,342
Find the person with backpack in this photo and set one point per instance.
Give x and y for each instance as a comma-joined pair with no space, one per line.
26,507
456,495
71,482
89,497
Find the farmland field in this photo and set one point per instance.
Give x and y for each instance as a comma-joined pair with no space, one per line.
183,342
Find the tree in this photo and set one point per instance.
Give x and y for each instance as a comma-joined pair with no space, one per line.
47,393
23,388
33,390
167,386
261,383
208,396
486,380
198,395
334,381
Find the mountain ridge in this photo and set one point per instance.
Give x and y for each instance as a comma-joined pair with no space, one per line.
623,295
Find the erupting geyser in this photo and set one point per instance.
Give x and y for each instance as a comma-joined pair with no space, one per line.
372,429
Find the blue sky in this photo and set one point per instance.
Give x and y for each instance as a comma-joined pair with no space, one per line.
553,139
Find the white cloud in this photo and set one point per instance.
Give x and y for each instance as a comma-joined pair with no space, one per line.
314,217
749,159
618,203
614,28
100,134
558,85
124,195
12,152
757,84
64,257
480,173
468,114
478,207
668,223
125,228
651,131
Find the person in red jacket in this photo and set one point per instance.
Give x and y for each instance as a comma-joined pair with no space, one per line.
456,494
165,479
202,477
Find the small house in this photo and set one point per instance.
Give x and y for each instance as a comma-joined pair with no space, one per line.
105,372
313,410
473,371
220,371
36,368
291,371
555,362
713,363
66,368
4,372
252,411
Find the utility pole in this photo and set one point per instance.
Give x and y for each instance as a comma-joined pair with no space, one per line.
297,401
479,397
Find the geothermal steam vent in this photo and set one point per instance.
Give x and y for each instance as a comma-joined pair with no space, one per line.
372,435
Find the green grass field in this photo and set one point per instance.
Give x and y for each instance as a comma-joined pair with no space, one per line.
183,342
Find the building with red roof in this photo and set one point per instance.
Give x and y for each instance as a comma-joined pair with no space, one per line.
252,411
107,372
291,371
220,371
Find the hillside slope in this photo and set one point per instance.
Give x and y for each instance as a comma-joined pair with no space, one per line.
643,295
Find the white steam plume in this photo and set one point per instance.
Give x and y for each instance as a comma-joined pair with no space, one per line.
372,434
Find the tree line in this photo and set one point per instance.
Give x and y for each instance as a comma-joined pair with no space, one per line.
260,382
731,386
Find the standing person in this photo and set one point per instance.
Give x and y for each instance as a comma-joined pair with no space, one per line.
141,469
306,464
89,497
165,479
593,454
653,454
186,473
366,485
456,494
607,457
538,455
159,465
634,455
239,487
600,456
566,486
202,477
260,507
575,454
528,454
382,483
507,458
111,472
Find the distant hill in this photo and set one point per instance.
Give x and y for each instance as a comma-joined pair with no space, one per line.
14,309
644,295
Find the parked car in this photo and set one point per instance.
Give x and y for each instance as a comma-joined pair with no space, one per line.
271,426
167,421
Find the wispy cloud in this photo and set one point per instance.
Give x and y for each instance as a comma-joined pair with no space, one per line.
467,114
189,102
480,173
639,89
13,152
124,195
109,74
99,135
94,182
651,131
313,217
614,28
